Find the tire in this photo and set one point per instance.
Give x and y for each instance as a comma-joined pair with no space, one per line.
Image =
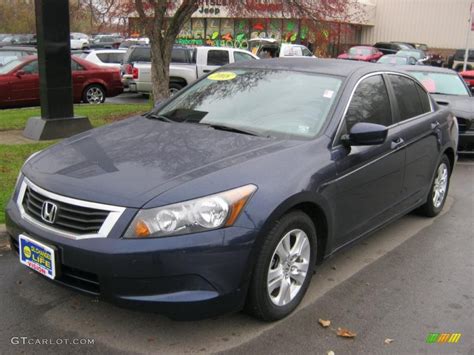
266,299
440,185
94,94
174,88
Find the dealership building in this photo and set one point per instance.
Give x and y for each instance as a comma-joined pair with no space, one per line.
441,24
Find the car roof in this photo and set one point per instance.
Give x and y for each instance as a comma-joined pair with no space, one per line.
18,48
334,67
430,69
109,51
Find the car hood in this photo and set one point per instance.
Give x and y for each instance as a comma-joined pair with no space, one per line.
132,161
460,106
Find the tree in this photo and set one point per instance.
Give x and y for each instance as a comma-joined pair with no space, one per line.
162,32
163,20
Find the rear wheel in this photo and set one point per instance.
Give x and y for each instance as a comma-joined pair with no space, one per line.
94,94
284,268
439,189
174,88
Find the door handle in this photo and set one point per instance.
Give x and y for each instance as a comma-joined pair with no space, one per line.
397,143
434,125
206,71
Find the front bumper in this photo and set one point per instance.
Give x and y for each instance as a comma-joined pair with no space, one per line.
184,277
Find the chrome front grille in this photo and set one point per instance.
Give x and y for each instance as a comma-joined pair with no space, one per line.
75,219
70,218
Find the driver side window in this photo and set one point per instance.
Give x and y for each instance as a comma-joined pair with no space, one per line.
370,103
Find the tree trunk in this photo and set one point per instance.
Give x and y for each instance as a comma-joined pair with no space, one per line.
160,64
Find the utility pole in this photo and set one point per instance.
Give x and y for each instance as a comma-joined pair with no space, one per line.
54,62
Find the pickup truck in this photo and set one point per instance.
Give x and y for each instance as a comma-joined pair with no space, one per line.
202,60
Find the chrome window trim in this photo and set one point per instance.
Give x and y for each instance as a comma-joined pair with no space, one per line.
339,127
115,212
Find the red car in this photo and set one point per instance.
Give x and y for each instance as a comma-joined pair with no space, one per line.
362,53
19,82
468,77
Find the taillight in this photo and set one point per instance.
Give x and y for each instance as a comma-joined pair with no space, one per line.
128,69
135,73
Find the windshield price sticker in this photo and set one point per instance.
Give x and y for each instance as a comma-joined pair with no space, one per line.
223,75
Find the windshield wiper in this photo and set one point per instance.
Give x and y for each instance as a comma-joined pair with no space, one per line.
157,116
233,129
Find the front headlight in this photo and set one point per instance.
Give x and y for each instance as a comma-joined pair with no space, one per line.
205,213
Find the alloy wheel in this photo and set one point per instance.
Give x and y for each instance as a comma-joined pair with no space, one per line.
95,95
288,267
440,185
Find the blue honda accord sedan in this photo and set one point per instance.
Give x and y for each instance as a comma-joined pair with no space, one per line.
228,195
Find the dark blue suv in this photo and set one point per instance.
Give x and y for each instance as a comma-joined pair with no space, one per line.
228,195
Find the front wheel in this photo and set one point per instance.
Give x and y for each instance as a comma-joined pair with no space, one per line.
439,189
94,94
284,268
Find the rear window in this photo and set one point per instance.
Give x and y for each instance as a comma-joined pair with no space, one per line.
139,54
441,83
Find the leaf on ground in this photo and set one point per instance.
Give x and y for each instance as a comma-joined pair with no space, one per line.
324,323
330,352
388,341
345,333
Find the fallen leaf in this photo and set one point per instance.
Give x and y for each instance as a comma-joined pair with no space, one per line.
345,333
324,323
330,352
388,341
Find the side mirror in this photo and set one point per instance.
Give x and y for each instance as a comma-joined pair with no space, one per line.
363,133
20,73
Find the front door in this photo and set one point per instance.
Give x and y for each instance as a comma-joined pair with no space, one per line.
369,178
25,87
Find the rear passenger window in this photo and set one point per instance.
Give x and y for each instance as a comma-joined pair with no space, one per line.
370,103
424,98
410,102
217,57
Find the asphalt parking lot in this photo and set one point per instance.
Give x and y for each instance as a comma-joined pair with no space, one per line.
414,277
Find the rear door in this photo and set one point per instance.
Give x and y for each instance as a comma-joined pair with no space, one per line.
420,129
79,78
213,59
369,178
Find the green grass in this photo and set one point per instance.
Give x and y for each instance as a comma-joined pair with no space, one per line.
98,114
12,158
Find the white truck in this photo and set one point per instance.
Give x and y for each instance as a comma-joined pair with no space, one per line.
202,60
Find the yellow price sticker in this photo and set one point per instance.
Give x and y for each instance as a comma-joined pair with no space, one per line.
223,75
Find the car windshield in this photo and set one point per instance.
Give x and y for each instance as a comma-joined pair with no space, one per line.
392,59
9,66
441,83
266,102
416,54
360,51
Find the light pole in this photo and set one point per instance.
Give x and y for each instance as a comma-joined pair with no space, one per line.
54,61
